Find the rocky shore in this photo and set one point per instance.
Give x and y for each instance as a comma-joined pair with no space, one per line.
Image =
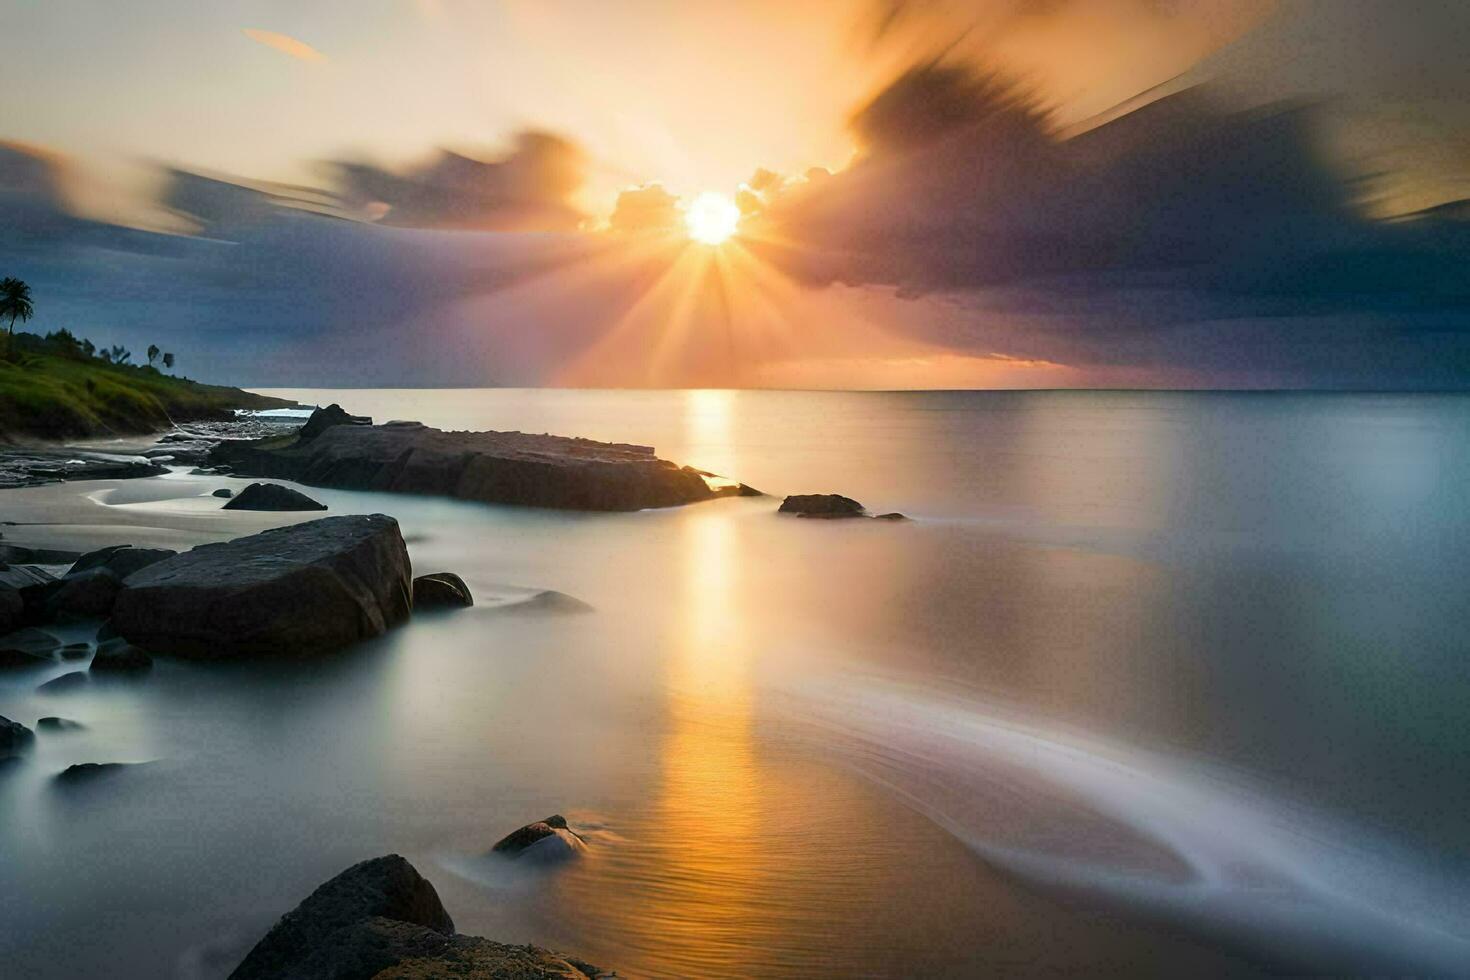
337,450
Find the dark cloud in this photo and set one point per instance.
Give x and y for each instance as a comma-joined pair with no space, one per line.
646,208
1175,215
528,190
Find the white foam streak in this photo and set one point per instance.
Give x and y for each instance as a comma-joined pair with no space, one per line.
1171,838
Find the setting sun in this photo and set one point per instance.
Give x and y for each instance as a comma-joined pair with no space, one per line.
711,218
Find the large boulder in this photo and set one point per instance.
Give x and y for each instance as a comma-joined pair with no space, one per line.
88,594
382,919
121,560
12,609
441,590
495,467
547,841
271,496
296,590
14,737
828,505
324,418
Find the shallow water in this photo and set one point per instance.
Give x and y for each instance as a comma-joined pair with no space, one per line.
1155,683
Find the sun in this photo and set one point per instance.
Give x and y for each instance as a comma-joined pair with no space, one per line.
711,218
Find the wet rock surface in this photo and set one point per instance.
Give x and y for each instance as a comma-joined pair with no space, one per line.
51,723
380,919
120,560
292,591
441,590
14,737
271,496
830,506
549,840
494,467
119,656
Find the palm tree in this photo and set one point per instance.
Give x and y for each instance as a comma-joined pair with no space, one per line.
168,360
15,301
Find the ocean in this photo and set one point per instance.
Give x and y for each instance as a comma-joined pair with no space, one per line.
1152,683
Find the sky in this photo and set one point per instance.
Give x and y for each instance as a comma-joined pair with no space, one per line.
930,193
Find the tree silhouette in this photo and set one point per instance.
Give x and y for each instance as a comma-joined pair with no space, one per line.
15,302
118,354
153,353
168,360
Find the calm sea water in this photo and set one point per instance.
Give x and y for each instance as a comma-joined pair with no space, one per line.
1154,683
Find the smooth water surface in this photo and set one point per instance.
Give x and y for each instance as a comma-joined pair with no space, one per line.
1154,683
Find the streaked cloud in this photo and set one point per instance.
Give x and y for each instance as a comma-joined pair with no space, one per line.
285,43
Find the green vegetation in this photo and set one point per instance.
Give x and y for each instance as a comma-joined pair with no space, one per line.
60,387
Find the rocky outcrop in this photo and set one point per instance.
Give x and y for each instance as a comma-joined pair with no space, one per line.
224,492
34,465
271,496
86,772
121,560
495,467
14,737
829,506
291,591
441,590
51,723
382,919
548,841
324,418
87,595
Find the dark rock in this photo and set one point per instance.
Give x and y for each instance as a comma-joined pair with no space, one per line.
76,651
85,772
551,601
87,594
12,609
15,554
381,919
894,516
14,737
28,648
441,590
106,632
324,418
495,467
20,577
120,560
225,492
296,590
118,655
272,496
51,723
828,505
546,840
387,887
64,684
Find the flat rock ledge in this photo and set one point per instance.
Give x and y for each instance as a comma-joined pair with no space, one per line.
291,591
382,919
493,467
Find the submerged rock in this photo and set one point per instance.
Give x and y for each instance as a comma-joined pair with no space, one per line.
28,647
271,496
821,505
64,684
381,918
51,723
14,737
495,467
291,591
84,772
225,492
441,590
548,840
120,656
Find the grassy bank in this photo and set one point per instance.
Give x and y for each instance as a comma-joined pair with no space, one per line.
49,395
